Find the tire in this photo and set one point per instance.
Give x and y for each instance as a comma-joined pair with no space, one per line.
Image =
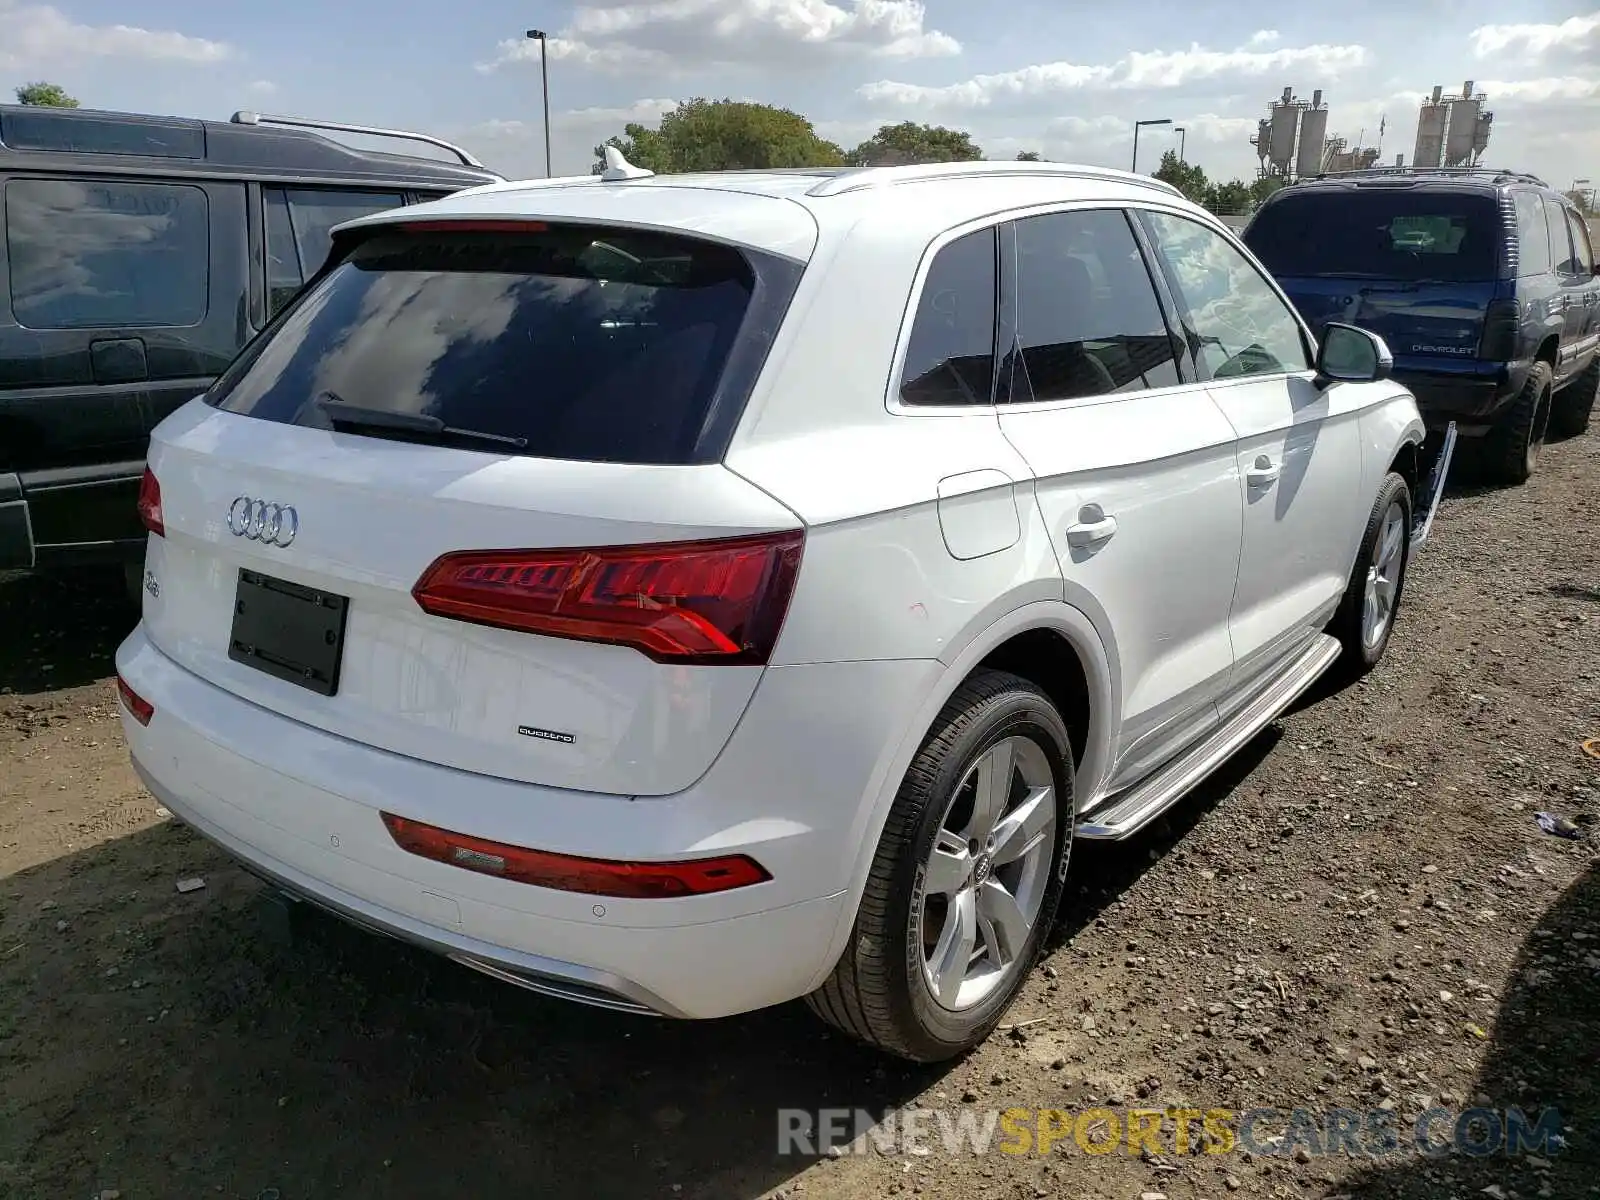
1365,642
1511,451
1571,407
882,989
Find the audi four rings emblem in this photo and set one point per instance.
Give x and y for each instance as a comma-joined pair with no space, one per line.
269,524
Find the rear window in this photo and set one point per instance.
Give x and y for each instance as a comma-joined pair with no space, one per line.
567,342
1379,235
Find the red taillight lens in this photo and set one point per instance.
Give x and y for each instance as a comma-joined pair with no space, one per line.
470,226
150,504
1502,323
136,704
686,602
567,873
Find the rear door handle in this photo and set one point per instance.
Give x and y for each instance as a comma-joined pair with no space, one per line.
1091,532
1264,472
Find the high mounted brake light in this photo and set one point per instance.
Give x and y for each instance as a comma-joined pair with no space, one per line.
470,226
684,602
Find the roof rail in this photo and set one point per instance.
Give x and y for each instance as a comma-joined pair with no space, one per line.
253,118
1495,173
862,178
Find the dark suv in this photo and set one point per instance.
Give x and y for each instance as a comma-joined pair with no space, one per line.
1482,283
137,256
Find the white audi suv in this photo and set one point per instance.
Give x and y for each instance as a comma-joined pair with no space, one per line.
686,594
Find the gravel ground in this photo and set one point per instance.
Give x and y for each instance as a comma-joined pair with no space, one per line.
1361,913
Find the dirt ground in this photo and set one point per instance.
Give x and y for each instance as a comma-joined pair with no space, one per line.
1361,913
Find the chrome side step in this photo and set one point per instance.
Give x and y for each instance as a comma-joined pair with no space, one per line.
1428,503
1130,812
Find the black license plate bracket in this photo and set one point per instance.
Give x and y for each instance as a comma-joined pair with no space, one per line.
288,630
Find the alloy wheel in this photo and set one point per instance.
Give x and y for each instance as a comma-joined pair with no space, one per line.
987,874
1383,576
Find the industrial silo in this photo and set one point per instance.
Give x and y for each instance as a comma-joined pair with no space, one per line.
1429,150
1313,135
1285,123
1480,135
1463,129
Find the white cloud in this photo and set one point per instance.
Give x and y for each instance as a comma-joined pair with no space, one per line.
678,35
1575,35
1566,88
261,88
38,35
1139,69
1264,37
516,147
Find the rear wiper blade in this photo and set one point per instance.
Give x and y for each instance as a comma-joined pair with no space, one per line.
357,416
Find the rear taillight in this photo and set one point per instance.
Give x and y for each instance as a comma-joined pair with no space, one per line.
140,708
150,504
568,873
1501,323
686,602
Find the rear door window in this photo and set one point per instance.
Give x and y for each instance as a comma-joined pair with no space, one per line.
284,275
315,211
1533,235
950,356
299,221
107,254
1565,255
1380,234
1582,253
566,342
1088,320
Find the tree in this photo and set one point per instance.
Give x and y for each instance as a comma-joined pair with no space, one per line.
1263,187
1231,198
1188,178
1029,156
908,142
723,135
45,95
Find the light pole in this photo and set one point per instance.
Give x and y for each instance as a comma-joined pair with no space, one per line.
1138,125
1183,140
544,80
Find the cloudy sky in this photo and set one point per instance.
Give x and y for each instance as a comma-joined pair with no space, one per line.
1063,78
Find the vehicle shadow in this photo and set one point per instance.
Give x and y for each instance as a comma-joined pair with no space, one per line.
164,1045
1544,1053
1102,872
62,629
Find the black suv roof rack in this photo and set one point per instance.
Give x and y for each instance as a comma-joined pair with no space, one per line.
1488,174
244,117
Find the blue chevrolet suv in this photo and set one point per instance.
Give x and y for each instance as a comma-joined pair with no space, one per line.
1482,282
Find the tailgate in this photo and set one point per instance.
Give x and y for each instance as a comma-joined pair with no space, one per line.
370,517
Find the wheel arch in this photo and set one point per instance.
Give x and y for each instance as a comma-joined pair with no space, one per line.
1053,627
1549,350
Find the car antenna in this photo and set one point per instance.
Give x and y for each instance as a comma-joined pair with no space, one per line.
619,168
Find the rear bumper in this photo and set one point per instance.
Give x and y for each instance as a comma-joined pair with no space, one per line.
301,808
70,516
1472,396
16,529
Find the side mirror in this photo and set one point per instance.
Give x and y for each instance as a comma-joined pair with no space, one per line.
1348,354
